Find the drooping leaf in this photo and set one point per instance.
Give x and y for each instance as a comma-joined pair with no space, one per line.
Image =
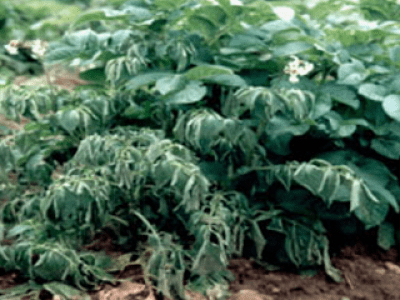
319,177
371,213
58,288
386,233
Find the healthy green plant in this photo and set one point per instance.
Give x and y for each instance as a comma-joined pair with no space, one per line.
210,131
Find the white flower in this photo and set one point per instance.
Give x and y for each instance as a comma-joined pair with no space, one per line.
39,51
213,2
39,47
236,2
294,78
11,50
297,68
284,13
12,47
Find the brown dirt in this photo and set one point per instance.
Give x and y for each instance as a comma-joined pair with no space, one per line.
369,274
56,75
365,278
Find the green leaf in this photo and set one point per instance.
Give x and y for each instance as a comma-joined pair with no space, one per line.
202,25
145,79
394,54
372,91
258,238
373,172
20,291
227,80
167,4
323,9
98,16
206,71
386,238
119,38
192,92
129,12
383,194
292,48
394,84
68,119
352,73
93,75
370,170
280,132
214,171
334,273
371,213
213,13
231,9
210,260
391,106
277,25
310,176
72,46
60,53
348,37
169,84
135,111
341,94
389,147
357,194
51,266
245,41
58,288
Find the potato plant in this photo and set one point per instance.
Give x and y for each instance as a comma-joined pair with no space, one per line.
210,129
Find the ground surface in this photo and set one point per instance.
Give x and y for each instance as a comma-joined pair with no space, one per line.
369,274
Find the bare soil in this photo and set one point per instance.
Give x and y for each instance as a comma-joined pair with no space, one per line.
369,274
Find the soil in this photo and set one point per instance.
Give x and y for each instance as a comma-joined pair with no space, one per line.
369,274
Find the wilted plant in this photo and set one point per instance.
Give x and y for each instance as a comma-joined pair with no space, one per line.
192,145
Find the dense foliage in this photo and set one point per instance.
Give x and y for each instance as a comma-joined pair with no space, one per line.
210,130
